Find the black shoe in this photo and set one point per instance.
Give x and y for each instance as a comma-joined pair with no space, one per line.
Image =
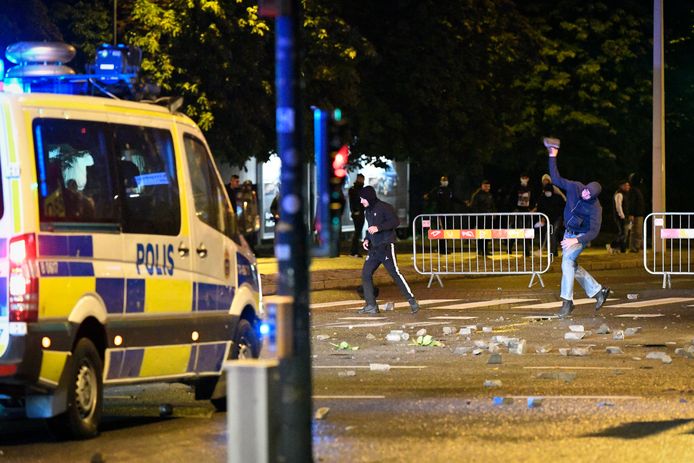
368,309
414,306
601,297
566,308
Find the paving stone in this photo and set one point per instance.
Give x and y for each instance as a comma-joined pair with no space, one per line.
492,383
494,359
603,329
632,331
662,356
613,350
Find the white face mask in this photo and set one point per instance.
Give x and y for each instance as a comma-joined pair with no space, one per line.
444,183
548,193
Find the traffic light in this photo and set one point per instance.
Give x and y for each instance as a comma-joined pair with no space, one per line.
332,157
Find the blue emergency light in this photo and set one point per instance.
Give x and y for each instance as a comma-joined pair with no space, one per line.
40,68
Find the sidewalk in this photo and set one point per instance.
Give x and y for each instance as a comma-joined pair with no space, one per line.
344,272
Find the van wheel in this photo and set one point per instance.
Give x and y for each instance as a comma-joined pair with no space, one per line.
84,395
246,346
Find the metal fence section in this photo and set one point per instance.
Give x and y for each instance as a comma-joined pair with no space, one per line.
481,244
667,244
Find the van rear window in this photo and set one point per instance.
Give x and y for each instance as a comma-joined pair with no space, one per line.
101,173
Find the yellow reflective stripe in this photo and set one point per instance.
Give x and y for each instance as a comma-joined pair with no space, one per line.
10,135
165,361
165,295
16,205
52,365
58,295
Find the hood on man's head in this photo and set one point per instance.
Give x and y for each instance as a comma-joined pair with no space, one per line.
369,194
594,188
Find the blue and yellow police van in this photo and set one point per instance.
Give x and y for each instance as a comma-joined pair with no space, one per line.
120,258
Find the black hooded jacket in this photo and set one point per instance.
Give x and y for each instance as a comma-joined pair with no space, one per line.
581,217
380,214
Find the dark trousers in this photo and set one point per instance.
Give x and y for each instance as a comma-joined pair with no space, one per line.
356,237
384,254
620,242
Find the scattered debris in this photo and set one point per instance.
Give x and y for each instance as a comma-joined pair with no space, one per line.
574,335
543,349
579,351
603,329
534,402
605,404
577,328
494,359
427,341
565,376
347,373
613,350
618,335
564,351
662,356
370,337
476,351
465,331
344,345
481,344
688,352
448,330
322,413
322,337
493,348
397,335
487,329
492,383
632,296
379,367
462,350
632,331
502,400
422,332
388,306
517,348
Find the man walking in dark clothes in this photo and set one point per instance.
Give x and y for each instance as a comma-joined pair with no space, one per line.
357,212
380,244
582,220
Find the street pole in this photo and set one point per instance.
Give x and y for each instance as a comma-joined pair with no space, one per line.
658,178
291,248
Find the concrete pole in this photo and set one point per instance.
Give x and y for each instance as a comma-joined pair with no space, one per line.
658,197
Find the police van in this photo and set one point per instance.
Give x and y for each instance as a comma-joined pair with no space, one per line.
120,258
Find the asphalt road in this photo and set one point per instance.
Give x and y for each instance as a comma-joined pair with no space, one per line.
432,403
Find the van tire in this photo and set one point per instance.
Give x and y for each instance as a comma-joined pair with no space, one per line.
246,345
84,395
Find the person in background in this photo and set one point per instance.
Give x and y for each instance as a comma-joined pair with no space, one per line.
521,199
233,190
582,220
442,197
637,211
482,202
357,212
380,245
275,212
620,208
249,219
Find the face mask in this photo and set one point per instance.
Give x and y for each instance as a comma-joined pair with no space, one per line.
444,183
524,181
548,193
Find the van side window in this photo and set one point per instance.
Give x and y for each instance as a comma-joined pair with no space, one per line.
211,204
73,171
147,182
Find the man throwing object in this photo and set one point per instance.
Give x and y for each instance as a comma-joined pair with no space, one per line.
379,243
582,219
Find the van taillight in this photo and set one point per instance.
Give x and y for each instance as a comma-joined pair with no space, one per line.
23,282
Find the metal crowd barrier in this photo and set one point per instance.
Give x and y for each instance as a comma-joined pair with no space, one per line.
667,244
481,244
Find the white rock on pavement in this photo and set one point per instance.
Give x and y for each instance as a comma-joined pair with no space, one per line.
618,335
492,383
662,356
574,336
603,329
322,337
632,331
379,367
422,332
577,328
517,348
613,350
448,330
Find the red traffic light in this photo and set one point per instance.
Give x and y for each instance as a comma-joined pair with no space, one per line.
340,161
